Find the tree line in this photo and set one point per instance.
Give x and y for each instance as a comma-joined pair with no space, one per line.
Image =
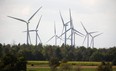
45,52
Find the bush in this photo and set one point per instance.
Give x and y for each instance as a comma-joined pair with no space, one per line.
114,61
77,68
53,63
11,62
104,67
64,60
65,67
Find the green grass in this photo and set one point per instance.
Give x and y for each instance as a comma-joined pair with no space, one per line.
84,63
46,63
37,62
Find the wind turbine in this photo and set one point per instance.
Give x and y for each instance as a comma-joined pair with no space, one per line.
27,22
71,28
87,35
73,31
64,27
36,31
93,37
54,36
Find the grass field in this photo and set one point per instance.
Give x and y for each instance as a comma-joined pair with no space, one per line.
48,69
39,63
44,65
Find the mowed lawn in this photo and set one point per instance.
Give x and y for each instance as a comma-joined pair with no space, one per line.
44,65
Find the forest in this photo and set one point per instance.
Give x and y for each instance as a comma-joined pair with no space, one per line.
45,52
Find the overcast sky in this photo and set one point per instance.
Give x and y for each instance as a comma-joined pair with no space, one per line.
96,15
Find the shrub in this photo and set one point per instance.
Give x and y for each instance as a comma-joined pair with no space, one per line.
53,63
10,62
104,67
65,67
114,61
77,68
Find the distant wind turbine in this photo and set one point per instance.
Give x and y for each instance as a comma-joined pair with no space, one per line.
36,31
73,31
87,35
71,28
27,22
92,40
55,35
64,27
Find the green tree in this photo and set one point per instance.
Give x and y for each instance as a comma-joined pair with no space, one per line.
11,62
96,56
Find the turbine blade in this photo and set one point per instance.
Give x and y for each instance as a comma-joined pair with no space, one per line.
58,37
17,19
54,28
39,38
67,22
50,38
65,32
84,39
71,25
93,32
30,31
69,36
91,35
78,32
34,14
84,27
97,35
62,19
38,22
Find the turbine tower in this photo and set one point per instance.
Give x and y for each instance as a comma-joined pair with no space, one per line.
36,31
92,40
27,22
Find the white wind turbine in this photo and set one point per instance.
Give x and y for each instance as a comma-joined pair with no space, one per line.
64,27
87,35
73,31
55,35
27,22
36,31
92,40
71,28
